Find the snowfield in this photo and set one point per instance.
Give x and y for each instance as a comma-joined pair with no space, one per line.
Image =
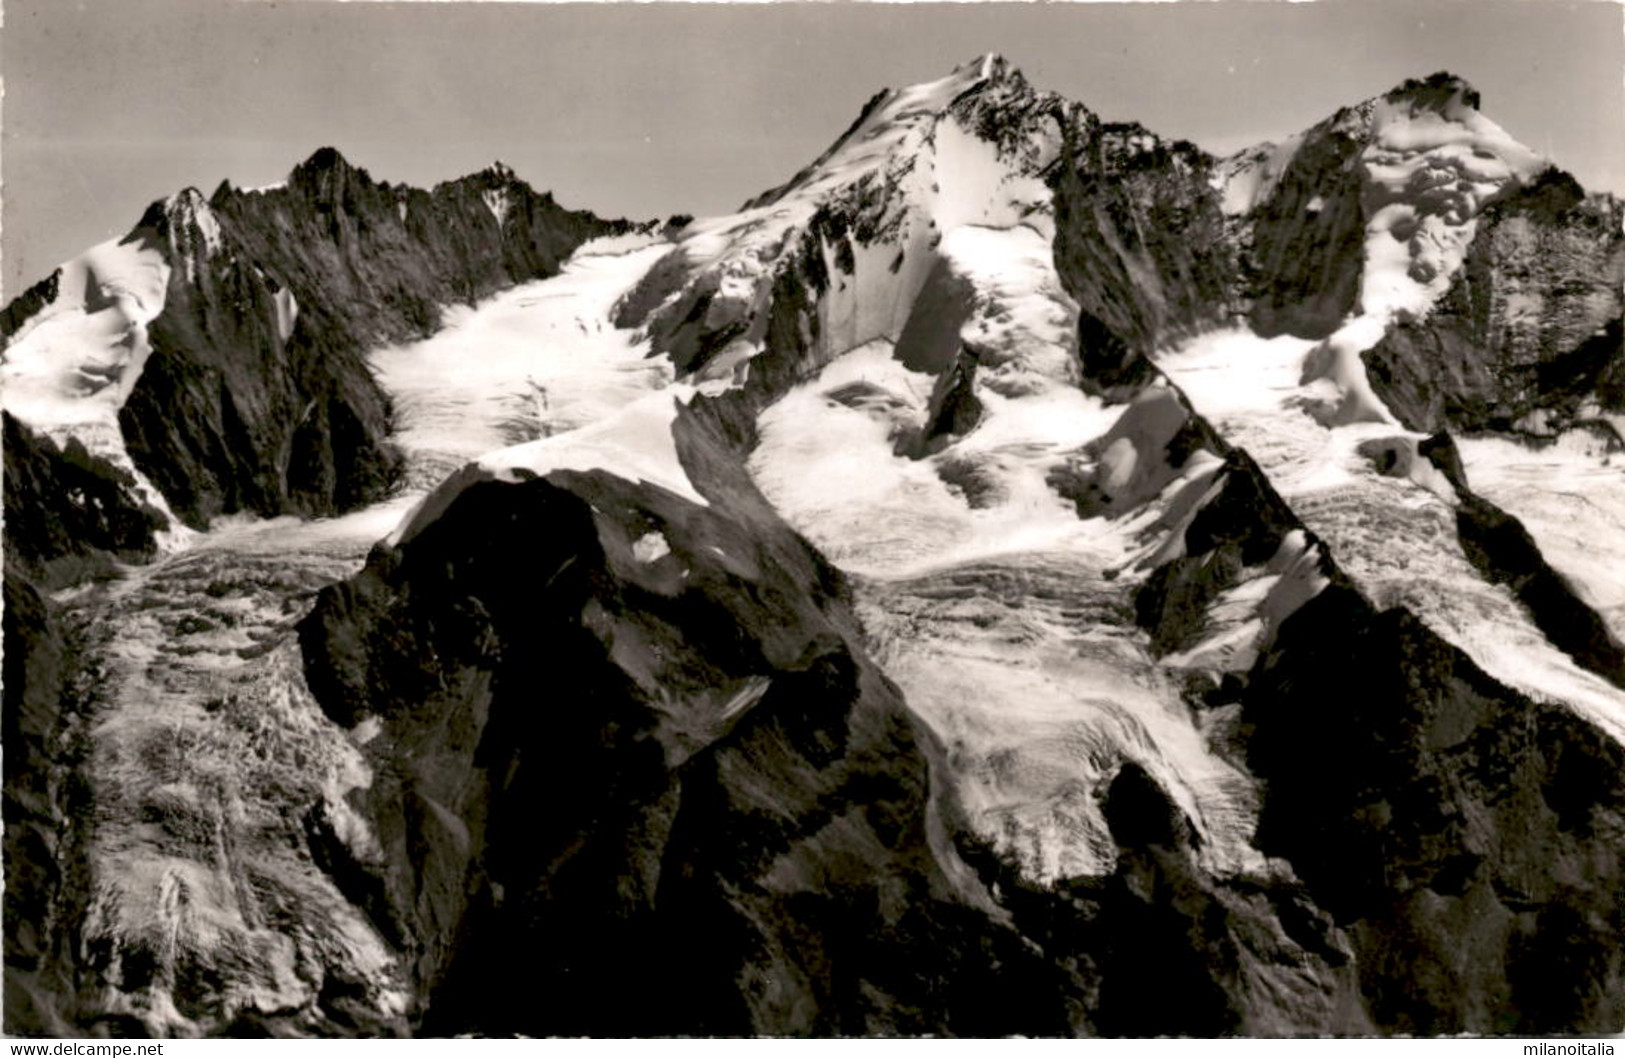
537,360
996,521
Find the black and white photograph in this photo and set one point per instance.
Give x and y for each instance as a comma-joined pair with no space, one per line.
670,521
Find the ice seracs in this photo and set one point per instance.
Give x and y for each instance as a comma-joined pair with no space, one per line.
1423,163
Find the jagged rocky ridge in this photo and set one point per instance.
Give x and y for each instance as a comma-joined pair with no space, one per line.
619,705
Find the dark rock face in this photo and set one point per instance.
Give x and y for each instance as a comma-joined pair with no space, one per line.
1460,833
954,409
257,397
1243,525
673,777
1448,850
1142,246
28,303
1435,837
67,510
1161,927
1504,552
633,770
1466,837
38,663
236,410
1306,251
1528,336
69,516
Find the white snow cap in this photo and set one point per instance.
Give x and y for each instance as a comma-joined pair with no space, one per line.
916,166
69,369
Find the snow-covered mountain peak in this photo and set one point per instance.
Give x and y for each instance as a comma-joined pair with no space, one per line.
987,69
1002,514
867,217
1431,164
897,121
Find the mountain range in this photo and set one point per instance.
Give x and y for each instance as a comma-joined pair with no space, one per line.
1022,575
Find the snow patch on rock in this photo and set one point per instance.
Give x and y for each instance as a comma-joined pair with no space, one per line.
636,443
287,312
651,547
497,201
1248,178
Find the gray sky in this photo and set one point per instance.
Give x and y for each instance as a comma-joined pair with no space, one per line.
650,109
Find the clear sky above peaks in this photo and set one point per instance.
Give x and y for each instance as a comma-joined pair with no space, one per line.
650,109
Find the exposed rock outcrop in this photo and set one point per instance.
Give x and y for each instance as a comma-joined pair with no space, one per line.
1142,244
1527,339
1466,837
38,664
68,511
214,359
1446,844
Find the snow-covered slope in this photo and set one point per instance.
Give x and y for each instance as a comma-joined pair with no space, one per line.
1570,495
538,356
70,367
222,799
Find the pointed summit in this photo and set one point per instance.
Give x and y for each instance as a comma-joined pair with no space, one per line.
1442,91
324,159
986,70
324,168
990,66
325,175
